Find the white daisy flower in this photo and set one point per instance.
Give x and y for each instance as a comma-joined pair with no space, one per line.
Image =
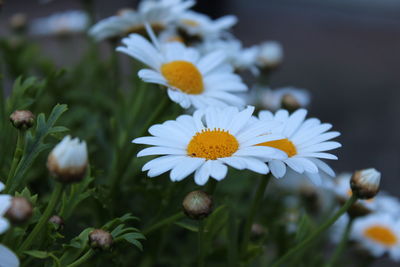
379,234
202,26
5,204
158,13
68,22
381,203
191,79
305,142
240,58
283,97
207,142
270,54
7,257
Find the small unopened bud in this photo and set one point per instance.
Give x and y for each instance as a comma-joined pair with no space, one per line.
290,103
270,55
18,21
365,183
20,210
58,221
197,205
100,239
68,160
22,119
257,229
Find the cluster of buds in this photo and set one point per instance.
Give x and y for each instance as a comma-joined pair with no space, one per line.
197,205
22,119
68,160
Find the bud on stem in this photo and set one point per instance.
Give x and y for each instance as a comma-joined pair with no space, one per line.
197,205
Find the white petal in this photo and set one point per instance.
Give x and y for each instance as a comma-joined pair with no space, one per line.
160,151
278,168
185,167
8,258
202,174
218,170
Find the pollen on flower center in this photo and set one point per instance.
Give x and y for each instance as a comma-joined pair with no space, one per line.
184,76
283,144
381,234
212,144
190,22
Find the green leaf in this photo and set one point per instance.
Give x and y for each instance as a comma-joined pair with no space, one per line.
188,226
305,227
76,247
133,239
37,254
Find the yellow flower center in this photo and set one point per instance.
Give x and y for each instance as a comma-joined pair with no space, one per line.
184,76
175,38
381,234
190,22
212,144
283,144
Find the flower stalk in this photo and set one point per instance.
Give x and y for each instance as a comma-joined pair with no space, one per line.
317,233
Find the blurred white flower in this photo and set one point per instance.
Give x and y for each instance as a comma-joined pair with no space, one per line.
191,79
379,234
240,58
305,142
270,54
158,13
68,160
284,97
202,26
7,257
68,22
206,143
5,203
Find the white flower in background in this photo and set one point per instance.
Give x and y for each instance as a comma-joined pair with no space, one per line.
208,141
379,234
191,79
68,160
5,204
283,98
381,203
158,13
7,257
68,22
202,26
270,54
338,228
170,35
240,58
305,142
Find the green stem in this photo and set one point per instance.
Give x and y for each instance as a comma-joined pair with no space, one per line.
253,210
342,245
82,259
54,200
200,245
314,235
211,186
17,156
154,116
166,221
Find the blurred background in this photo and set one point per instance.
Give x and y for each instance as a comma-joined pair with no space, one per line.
344,52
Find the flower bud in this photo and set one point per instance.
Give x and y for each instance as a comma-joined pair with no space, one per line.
58,221
270,55
22,119
197,205
365,183
99,238
20,210
68,160
18,21
290,103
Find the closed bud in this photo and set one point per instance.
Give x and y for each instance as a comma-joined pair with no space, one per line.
270,55
197,205
20,210
22,119
57,221
290,103
365,183
68,160
18,21
99,238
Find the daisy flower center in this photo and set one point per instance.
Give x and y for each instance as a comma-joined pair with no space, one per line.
282,144
190,22
183,75
212,144
381,234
